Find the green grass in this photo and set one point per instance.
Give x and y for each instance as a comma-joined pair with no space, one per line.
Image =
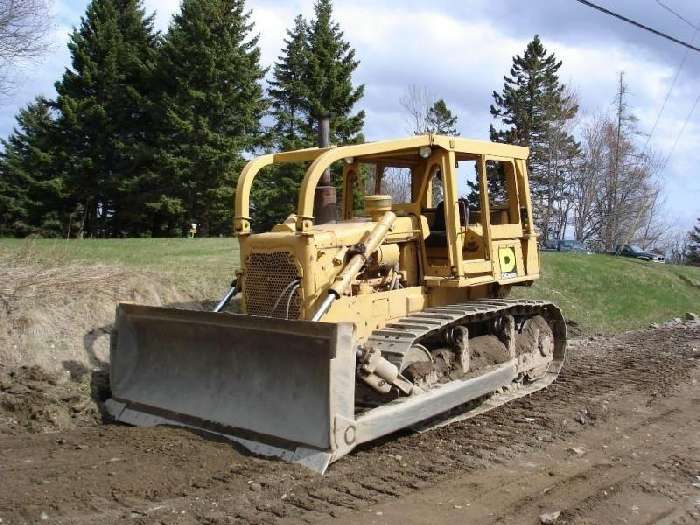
603,294
202,259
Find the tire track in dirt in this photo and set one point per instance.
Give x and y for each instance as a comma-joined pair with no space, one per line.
640,466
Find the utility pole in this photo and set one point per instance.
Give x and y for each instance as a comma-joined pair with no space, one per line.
613,205
325,198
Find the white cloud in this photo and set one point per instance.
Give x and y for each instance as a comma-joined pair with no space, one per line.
271,24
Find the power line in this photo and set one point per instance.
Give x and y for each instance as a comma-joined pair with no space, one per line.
696,28
680,133
677,15
637,24
670,90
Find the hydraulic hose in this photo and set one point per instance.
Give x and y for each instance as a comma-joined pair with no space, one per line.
227,298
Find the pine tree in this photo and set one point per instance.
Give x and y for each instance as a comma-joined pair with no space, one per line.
330,66
211,109
312,78
535,108
693,250
289,89
331,63
440,119
32,196
105,107
274,197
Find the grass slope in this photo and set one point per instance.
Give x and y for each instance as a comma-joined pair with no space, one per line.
211,262
601,293
607,294
57,298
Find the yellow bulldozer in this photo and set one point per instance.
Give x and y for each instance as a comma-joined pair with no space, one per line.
395,315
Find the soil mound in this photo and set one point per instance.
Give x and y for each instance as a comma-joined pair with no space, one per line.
34,400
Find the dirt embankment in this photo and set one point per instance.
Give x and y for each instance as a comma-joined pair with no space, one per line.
60,315
613,440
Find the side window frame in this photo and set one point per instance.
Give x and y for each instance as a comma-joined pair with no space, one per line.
514,227
445,162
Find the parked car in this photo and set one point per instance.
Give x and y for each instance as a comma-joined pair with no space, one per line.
563,245
550,245
634,251
571,245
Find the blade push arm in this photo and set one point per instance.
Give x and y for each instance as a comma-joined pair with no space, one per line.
363,251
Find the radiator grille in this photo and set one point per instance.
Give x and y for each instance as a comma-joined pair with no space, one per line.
268,284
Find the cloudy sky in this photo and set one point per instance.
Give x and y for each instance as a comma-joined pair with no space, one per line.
460,50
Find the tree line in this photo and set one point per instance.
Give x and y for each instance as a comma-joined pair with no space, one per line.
589,177
148,131
593,178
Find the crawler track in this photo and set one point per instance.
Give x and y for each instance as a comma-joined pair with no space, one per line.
396,339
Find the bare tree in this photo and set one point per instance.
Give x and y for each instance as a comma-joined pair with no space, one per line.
397,183
616,198
559,166
394,181
676,246
628,196
24,27
424,113
416,103
625,195
587,180
649,228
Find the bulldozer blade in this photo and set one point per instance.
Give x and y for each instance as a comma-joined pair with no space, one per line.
278,387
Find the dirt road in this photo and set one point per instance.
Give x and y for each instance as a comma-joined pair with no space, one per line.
615,440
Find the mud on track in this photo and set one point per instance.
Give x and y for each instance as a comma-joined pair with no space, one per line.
115,474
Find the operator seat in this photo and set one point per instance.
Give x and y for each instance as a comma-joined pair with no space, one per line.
438,233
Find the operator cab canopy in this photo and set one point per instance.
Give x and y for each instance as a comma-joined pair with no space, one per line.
409,169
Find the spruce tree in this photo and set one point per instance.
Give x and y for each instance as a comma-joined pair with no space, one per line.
289,89
312,78
535,108
330,66
331,63
105,104
440,120
32,196
211,107
693,250
274,197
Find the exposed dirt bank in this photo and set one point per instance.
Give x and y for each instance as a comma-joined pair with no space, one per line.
60,316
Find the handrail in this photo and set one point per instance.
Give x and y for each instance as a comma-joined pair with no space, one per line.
313,175
241,214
